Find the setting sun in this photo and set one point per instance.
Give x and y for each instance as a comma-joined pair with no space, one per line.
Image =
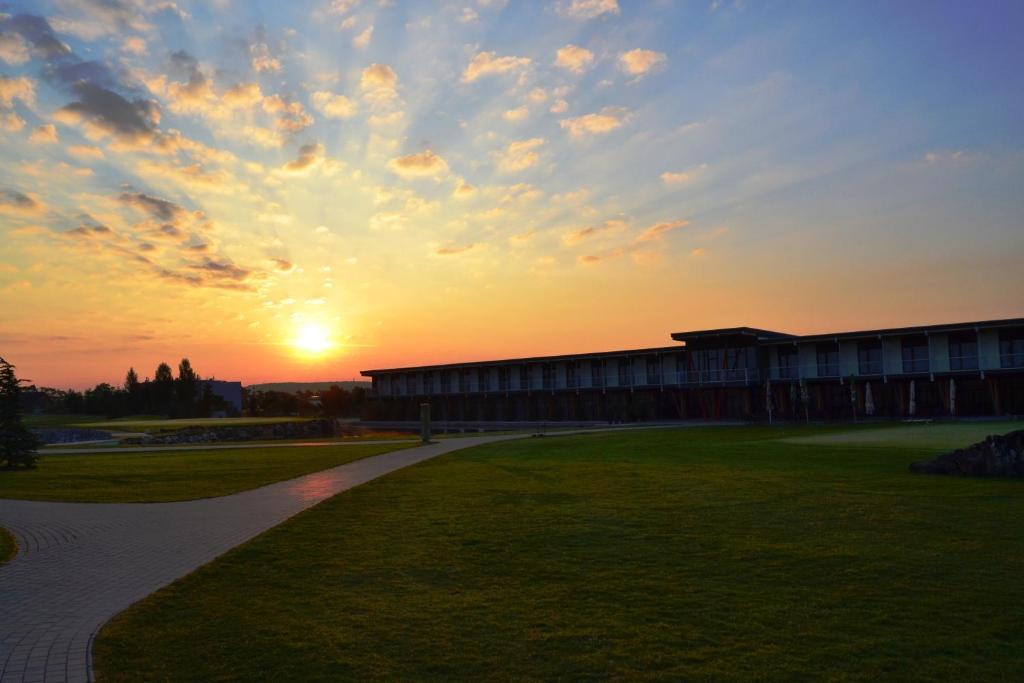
312,339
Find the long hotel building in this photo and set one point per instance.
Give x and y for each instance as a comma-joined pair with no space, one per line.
972,368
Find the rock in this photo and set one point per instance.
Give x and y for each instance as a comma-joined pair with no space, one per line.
996,456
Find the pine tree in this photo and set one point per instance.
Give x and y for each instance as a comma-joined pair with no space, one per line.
17,444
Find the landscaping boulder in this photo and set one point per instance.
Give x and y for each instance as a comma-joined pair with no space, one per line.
996,456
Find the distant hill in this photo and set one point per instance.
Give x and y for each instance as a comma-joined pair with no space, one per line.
296,387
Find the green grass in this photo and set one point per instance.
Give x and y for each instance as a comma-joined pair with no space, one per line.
49,420
710,554
8,546
172,475
939,435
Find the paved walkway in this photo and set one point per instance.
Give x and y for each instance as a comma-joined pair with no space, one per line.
79,564
94,450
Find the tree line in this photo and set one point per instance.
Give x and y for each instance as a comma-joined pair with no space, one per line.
183,395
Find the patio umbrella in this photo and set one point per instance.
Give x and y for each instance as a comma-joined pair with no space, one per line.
805,399
768,398
952,396
913,397
869,400
853,396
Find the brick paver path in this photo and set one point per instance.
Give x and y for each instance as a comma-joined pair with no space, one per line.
79,564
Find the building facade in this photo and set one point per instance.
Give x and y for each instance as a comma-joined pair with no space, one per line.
961,369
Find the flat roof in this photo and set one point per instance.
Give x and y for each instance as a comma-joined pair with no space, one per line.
530,359
890,331
754,332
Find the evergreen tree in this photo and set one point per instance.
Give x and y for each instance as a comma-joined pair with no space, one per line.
163,388
17,444
131,381
186,386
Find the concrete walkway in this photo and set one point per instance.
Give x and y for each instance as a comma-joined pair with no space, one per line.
95,450
79,564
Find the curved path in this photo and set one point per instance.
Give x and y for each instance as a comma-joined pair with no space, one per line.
79,564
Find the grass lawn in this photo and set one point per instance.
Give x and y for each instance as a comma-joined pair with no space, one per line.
713,554
8,546
172,475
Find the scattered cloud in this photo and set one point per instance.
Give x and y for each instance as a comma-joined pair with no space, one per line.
379,84
242,96
422,164
362,41
310,156
517,115
12,201
574,237
134,45
16,88
453,249
659,230
488,64
261,60
13,49
334,106
588,9
573,58
46,134
85,152
520,155
683,177
605,121
639,62
559,107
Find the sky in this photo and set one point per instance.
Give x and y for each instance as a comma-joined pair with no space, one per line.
302,190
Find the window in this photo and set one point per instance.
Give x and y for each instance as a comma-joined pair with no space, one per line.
410,384
869,357
789,362
395,386
428,383
654,370
1011,349
446,382
596,374
915,354
483,379
464,381
503,374
625,372
548,376
570,375
524,376
963,351
828,360
734,359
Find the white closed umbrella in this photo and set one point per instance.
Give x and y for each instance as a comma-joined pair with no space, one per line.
768,398
913,397
869,400
952,396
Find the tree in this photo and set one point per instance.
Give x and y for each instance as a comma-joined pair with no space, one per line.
18,445
163,388
131,382
187,386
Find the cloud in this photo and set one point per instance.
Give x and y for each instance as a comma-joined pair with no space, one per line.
699,252
379,83
487,64
464,190
362,41
516,115
452,249
333,106
13,48
469,16
593,259
605,121
104,113
520,155
220,269
261,60
16,88
641,62
659,230
310,156
242,96
683,177
283,265
160,209
573,58
521,238
559,107
291,116
423,164
134,45
38,32
46,134
85,152
12,201
571,239
588,9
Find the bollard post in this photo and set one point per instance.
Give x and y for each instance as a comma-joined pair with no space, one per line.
425,422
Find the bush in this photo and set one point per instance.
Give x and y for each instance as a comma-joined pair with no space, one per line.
18,445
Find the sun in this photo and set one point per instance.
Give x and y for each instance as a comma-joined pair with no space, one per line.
312,339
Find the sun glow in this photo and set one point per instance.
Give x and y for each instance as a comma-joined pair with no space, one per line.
312,339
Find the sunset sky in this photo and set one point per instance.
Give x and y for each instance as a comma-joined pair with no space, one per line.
297,191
